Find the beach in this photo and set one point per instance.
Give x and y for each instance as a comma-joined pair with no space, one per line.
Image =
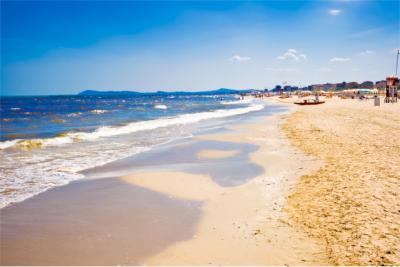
241,225
214,199
200,133
312,185
352,202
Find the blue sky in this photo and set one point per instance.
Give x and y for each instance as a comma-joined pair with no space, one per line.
55,47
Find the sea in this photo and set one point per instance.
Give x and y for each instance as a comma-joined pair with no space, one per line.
46,141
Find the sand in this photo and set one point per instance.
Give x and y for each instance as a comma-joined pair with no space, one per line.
217,154
94,222
244,224
176,184
327,195
352,203
217,200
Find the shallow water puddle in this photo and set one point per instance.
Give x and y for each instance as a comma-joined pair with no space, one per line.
232,170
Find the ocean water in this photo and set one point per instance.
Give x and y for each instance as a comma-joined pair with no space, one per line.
47,140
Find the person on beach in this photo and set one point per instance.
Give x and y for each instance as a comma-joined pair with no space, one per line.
387,94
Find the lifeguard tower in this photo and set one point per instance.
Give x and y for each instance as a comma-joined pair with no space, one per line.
392,84
392,89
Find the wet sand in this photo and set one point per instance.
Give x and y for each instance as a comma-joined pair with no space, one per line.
352,202
216,154
173,207
97,222
241,224
184,157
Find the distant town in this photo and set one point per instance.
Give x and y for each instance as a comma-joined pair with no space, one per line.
380,85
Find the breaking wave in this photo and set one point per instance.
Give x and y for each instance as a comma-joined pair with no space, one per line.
160,107
109,131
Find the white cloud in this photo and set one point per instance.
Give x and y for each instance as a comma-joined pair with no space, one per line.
335,12
293,54
239,58
366,52
282,69
339,59
324,69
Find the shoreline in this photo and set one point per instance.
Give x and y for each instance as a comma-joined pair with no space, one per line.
242,216
65,154
302,186
247,217
295,187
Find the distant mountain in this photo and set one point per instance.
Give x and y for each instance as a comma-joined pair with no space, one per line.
220,91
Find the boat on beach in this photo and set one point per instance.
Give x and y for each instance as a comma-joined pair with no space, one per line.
315,101
309,102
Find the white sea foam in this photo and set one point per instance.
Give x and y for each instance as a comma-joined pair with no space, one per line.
160,106
74,114
40,172
8,143
237,102
98,111
109,131
25,173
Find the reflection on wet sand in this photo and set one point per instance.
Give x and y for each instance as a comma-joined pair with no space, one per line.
225,171
97,222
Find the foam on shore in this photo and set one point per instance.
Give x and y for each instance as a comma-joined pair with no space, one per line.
32,166
109,131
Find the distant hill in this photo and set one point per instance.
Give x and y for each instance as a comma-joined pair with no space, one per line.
220,91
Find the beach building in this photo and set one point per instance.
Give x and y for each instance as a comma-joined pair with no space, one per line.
367,85
380,85
329,86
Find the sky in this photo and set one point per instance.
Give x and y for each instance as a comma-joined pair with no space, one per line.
56,47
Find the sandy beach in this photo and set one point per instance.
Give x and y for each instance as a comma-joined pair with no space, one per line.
241,225
352,202
224,193
307,186
200,133
346,198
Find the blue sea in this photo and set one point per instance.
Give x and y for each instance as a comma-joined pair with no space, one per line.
47,140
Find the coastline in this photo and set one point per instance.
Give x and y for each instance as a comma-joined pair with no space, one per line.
243,224
200,133
55,157
244,216
297,187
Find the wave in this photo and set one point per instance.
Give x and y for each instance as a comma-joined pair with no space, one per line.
98,111
160,107
237,102
74,114
109,131
41,172
8,143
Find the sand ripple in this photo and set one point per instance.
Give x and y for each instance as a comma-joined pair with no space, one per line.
353,202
